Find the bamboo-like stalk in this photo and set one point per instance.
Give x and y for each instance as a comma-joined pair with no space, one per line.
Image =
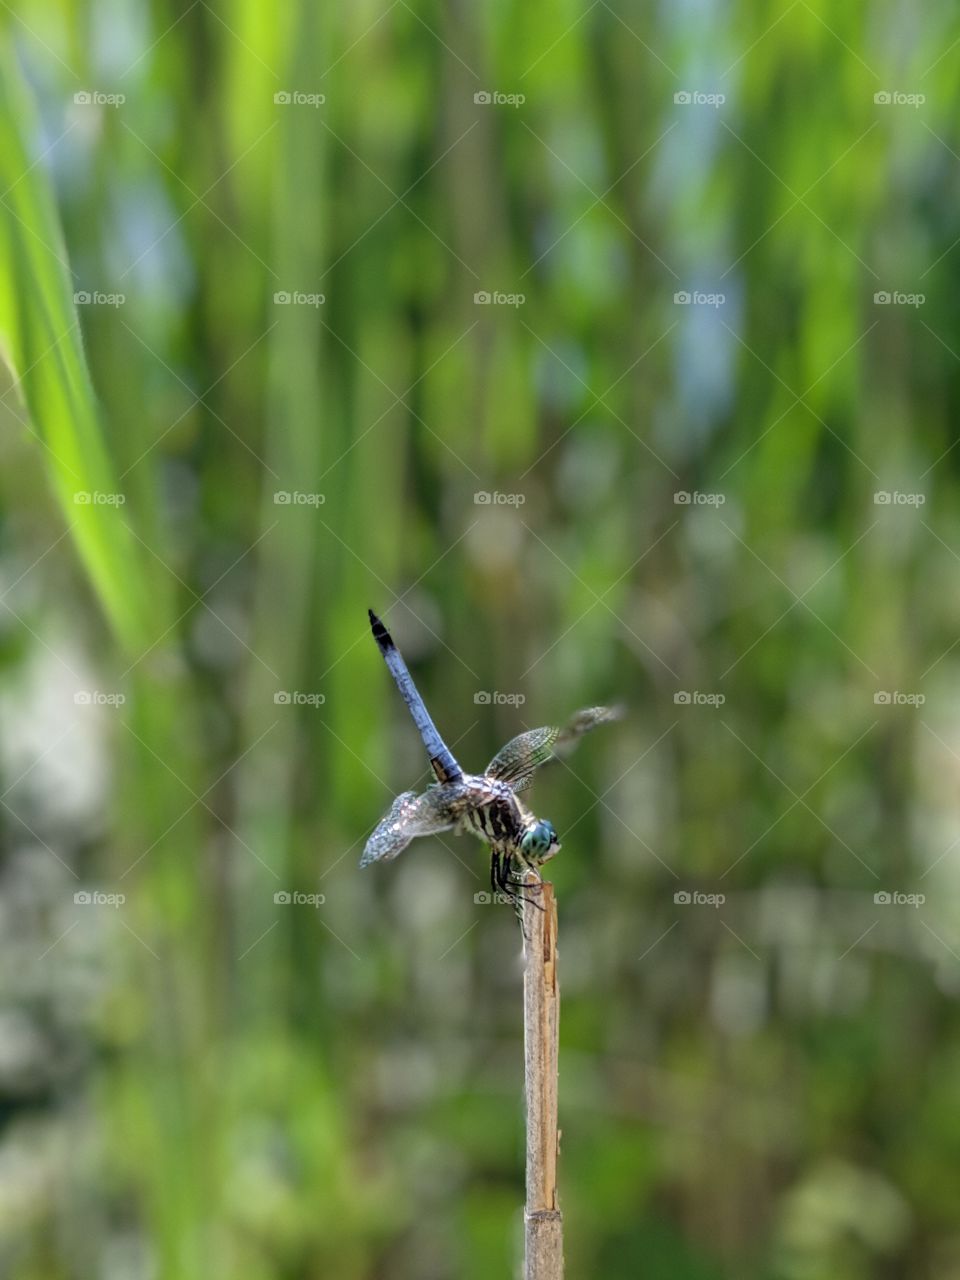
543,1223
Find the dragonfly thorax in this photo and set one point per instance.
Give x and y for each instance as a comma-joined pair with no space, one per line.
496,815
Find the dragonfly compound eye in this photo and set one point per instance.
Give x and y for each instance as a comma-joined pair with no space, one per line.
538,839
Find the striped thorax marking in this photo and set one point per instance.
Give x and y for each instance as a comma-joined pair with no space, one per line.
494,813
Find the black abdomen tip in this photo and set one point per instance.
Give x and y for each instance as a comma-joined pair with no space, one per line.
380,632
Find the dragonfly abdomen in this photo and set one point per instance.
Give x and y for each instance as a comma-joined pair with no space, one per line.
441,757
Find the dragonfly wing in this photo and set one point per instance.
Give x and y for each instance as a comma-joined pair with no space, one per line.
409,816
582,722
518,761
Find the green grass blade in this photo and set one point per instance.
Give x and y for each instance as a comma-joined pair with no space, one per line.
41,344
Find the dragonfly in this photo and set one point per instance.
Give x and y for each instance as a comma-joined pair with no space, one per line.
487,805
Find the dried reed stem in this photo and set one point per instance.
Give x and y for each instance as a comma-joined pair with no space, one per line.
543,1224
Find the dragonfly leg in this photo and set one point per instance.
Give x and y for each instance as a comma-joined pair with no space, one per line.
523,897
514,885
504,880
501,878
518,899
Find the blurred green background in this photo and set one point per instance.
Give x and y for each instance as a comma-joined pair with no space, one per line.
696,452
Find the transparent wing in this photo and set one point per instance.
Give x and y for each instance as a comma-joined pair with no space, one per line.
409,816
518,761
582,722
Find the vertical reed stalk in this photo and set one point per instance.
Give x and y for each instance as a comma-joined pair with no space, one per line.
543,1223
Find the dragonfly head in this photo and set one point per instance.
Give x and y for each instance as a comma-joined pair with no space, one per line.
540,842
